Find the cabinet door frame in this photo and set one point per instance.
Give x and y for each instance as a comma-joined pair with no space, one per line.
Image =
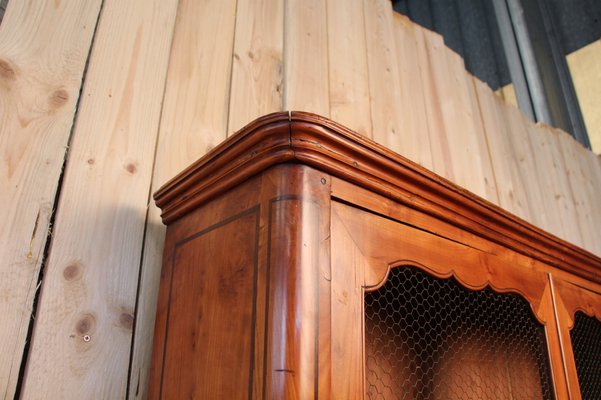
366,245
570,298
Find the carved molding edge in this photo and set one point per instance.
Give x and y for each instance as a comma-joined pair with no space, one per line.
316,141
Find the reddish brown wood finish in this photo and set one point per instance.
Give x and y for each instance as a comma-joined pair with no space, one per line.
239,274
316,141
570,298
274,237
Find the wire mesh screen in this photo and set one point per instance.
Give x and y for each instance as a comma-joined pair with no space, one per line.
586,342
428,338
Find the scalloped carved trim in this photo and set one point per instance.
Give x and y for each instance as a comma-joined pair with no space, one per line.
575,298
460,278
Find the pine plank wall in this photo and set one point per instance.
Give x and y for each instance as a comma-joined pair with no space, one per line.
102,101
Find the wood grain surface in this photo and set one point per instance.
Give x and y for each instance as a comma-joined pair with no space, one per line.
227,63
83,331
44,46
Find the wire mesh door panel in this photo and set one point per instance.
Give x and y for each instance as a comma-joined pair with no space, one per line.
429,338
586,343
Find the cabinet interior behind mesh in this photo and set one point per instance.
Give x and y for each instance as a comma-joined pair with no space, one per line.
429,338
586,342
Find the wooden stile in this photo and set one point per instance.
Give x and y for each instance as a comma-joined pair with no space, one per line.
306,85
194,119
258,62
43,50
383,75
349,84
83,329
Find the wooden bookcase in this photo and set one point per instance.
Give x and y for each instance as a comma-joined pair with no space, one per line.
276,237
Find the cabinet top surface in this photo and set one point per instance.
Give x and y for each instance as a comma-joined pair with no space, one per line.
309,139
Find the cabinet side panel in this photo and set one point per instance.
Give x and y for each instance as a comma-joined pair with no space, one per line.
212,312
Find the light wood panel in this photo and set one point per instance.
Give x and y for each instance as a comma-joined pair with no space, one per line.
426,42
306,84
522,151
83,331
43,49
415,133
563,193
349,84
383,73
510,186
546,175
469,158
583,190
194,119
258,64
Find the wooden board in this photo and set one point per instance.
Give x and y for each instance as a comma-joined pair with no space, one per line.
349,84
583,191
510,186
547,177
426,42
461,121
383,75
258,64
306,84
592,168
83,331
44,46
412,107
561,193
521,149
194,119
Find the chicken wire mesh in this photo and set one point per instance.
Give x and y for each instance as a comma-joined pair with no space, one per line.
429,338
586,343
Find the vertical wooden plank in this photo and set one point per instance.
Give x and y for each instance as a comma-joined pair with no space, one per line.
306,57
411,108
43,50
490,192
469,156
383,75
257,69
521,148
194,119
548,310
585,201
563,195
553,173
546,176
347,308
594,174
595,165
349,85
510,187
426,42
83,330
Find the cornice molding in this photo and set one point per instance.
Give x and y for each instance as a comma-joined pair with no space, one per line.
304,138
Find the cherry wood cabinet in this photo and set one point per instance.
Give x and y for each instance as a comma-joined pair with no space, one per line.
282,251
